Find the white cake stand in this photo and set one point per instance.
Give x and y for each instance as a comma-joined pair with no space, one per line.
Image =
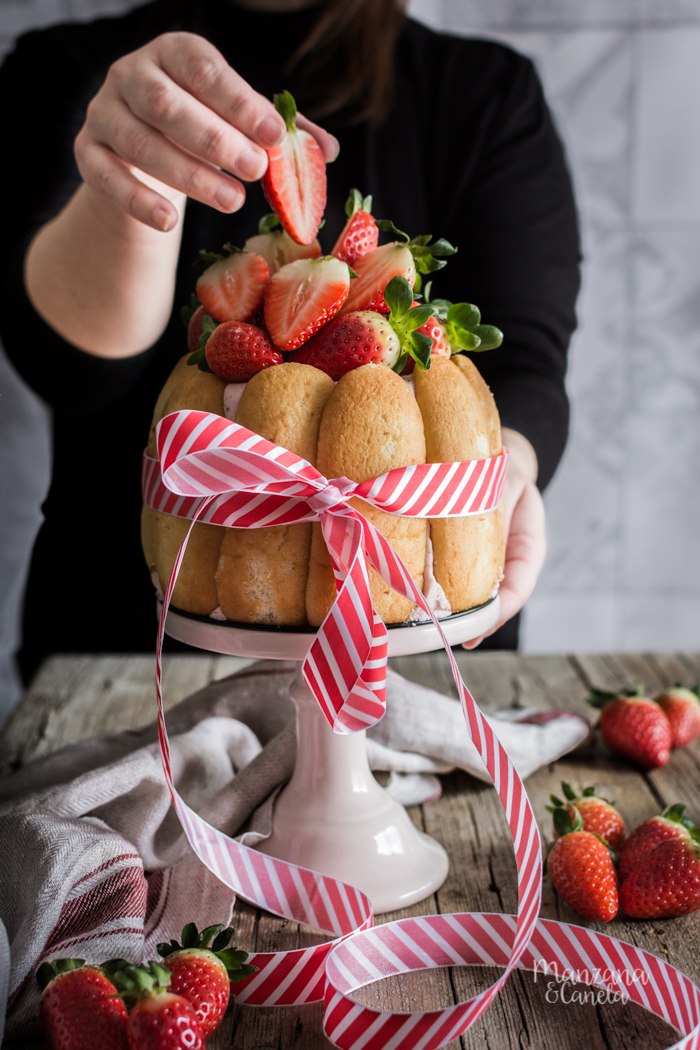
333,816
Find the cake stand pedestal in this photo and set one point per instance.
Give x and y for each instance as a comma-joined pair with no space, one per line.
333,816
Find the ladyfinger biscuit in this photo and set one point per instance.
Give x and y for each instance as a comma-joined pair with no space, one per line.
195,590
181,371
371,424
261,576
461,423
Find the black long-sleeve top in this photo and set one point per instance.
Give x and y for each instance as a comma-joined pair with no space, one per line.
469,153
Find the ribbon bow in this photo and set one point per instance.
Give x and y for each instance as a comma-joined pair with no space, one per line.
249,483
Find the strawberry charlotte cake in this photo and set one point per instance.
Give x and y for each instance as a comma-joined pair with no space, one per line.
339,359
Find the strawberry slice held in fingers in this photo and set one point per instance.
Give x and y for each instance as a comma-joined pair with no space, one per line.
295,181
403,258
231,288
366,337
276,246
360,233
302,297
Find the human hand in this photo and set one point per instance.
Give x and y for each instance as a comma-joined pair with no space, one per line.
171,121
526,543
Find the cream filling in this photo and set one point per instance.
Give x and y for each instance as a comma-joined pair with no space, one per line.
217,614
233,392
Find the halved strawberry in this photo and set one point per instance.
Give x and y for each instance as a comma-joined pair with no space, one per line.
276,246
374,271
236,351
232,286
365,337
360,233
295,181
398,259
303,296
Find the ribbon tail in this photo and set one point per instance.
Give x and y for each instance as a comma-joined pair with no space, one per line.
345,668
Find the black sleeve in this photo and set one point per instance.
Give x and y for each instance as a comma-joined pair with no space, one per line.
502,189
43,112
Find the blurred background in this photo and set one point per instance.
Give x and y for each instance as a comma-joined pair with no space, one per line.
623,568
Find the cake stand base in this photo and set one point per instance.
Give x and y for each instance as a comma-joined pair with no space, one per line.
335,818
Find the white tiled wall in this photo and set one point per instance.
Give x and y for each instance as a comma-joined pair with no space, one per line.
623,78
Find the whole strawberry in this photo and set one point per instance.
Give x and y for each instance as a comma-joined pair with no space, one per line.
203,974
634,725
665,883
360,233
670,824
682,708
160,1020
366,337
581,868
78,1009
236,351
598,815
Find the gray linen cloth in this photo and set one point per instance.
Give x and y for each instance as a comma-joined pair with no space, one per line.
94,862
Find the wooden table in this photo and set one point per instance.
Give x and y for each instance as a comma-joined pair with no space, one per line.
76,697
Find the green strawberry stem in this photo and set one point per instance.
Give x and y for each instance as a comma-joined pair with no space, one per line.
137,982
234,959
463,326
207,326
427,257
186,312
598,698
355,202
287,109
269,224
404,319
48,970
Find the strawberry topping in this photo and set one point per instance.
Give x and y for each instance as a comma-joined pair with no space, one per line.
360,234
276,246
303,296
232,287
295,181
236,351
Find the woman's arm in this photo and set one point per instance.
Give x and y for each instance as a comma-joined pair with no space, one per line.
171,120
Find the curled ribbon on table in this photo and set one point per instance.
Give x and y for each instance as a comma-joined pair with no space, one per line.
215,471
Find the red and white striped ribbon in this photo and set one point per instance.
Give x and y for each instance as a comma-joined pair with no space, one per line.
218,472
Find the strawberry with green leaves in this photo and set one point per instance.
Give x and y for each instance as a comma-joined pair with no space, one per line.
598,815
580,865
666,881
295,181
365,337
202,969
671,823
360,233
302,297
682,708
160,1019
402,258
276,246
634,725
232,286
79,1008
461,326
